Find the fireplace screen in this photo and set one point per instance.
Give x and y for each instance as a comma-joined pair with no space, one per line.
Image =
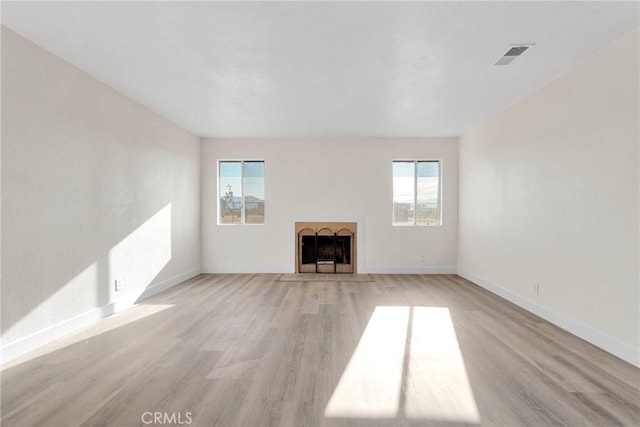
325,251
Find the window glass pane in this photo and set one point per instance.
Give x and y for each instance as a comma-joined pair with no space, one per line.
403,192
428,211
254,192
230,181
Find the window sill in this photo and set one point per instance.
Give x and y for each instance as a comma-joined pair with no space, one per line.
416,225
238,224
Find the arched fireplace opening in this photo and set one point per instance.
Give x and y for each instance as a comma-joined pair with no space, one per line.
326,247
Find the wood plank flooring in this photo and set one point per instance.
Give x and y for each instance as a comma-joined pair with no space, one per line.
274,350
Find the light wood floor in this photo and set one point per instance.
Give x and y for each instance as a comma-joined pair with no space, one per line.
382,350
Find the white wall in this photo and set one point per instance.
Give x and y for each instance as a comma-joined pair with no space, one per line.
95,188
549,193
329,179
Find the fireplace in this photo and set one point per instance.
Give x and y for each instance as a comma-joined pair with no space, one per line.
326,247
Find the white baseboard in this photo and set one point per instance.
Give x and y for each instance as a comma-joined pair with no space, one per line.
166,284
31,342
372,270
245,270
607,343
408,270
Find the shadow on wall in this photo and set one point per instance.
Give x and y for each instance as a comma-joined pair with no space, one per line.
82,277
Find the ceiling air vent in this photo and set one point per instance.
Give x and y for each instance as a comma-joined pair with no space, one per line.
515,51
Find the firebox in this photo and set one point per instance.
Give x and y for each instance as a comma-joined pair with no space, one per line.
325,247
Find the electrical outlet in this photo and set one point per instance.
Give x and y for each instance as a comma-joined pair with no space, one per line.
118,285
536,288
423,259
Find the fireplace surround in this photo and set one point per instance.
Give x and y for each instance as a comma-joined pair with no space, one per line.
326,247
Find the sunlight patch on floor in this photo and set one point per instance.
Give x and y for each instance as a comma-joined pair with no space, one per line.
407,364
437,384
370,385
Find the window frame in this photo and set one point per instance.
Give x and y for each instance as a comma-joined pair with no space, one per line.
242,202
415,193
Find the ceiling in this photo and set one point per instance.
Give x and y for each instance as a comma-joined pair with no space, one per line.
322,69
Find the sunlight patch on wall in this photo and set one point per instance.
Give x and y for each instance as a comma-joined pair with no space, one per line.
69,293
140,256
407,365
85,335
370,385
136,261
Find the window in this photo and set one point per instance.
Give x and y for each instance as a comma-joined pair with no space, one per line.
416,192
241,192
